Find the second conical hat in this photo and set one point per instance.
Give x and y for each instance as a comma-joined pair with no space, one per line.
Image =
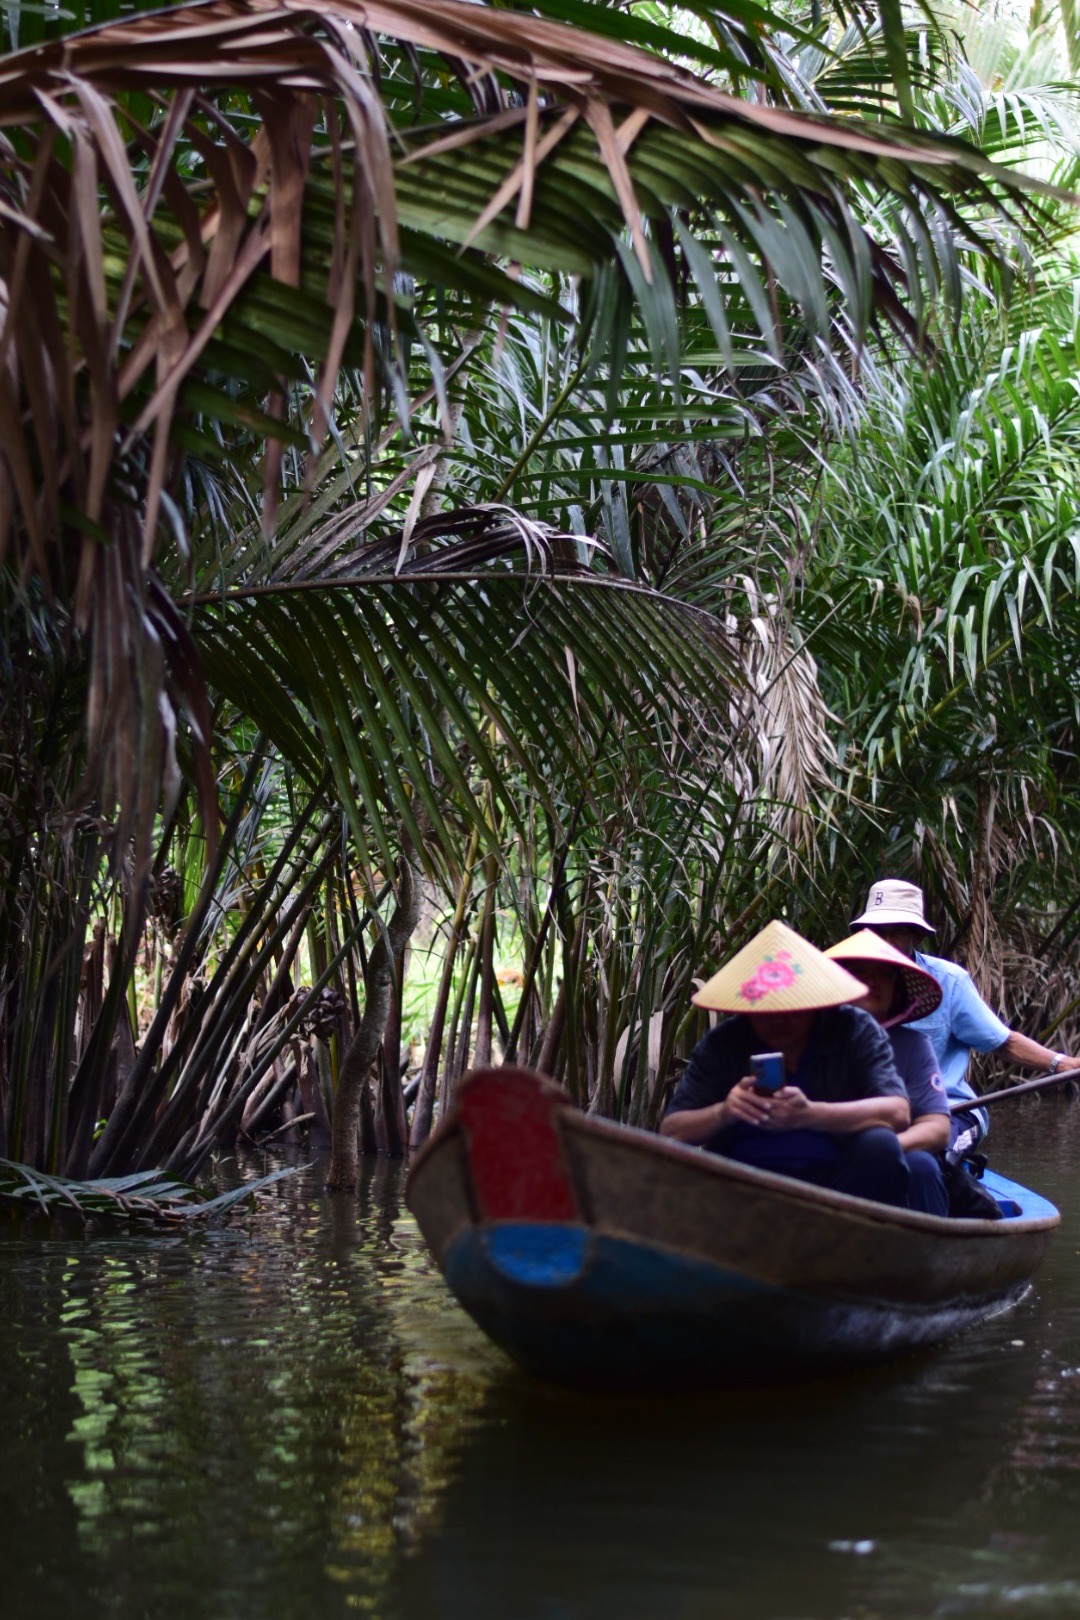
778,971
922,992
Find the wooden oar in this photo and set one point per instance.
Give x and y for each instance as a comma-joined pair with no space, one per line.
991,1097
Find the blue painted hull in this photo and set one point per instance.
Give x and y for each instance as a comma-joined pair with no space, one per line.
631,1314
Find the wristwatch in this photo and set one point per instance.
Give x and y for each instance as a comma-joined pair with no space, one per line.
1057,1060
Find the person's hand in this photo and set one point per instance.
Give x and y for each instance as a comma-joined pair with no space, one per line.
745,1105
792,1110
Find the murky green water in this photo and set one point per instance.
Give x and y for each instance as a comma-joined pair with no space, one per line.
291,1418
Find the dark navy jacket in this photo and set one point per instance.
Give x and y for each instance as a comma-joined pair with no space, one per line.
848,1056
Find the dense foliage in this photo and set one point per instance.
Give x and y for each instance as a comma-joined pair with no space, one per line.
469,476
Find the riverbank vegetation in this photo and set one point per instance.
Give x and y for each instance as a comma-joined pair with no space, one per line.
145,1196
512,497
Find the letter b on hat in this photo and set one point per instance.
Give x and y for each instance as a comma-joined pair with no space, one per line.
893,903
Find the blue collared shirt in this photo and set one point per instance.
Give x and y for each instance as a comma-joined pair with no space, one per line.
963,1023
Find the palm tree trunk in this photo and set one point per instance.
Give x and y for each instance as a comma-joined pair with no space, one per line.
358,1059
425,1098
391,1126
486,1010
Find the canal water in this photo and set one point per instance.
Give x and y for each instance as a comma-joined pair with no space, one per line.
290,1419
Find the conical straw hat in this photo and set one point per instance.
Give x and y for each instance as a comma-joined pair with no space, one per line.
778,971
921,988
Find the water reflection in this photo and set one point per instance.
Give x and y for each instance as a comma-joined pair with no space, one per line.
290,1417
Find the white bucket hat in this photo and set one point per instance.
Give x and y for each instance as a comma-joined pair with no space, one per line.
893,903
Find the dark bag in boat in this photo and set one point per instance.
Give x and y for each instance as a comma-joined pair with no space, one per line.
968,1199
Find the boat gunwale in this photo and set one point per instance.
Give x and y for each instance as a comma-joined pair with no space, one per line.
805,1192
716,1165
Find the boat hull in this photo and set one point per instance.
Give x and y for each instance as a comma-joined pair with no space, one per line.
598,1255
637,1314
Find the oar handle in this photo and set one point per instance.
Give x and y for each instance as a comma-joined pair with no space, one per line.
991,1097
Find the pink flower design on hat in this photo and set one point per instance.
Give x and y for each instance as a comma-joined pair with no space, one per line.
774,973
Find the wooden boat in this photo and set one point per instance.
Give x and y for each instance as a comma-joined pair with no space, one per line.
601,1255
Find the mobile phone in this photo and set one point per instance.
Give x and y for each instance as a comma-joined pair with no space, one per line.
768,1070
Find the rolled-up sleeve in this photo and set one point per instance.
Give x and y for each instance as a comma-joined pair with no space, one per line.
918,1067
973,1024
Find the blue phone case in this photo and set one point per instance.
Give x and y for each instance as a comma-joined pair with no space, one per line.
768,1070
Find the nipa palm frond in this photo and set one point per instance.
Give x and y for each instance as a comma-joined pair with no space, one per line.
199,202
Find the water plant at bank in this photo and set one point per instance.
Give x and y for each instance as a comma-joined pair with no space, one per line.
146,1195
279,649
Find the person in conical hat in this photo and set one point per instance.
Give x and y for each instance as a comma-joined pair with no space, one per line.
778,971
897,991
962,1023
904,990
834,1119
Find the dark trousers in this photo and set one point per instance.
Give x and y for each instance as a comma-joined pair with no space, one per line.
926,1189
868,1164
